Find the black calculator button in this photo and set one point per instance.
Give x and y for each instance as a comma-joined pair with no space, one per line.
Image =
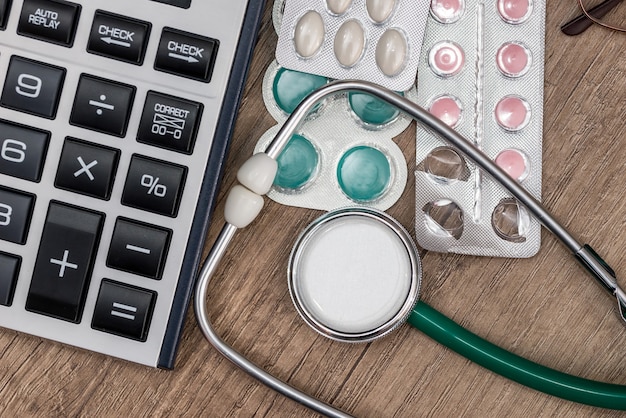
169,122
154,185
138,248
22,151
5,7
9,270
33,87
49,20
186,54
124,310
102,105
185,4
64,262
16,209
118,37
87,168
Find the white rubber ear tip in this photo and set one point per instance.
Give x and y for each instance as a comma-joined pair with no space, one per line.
242,206
258,173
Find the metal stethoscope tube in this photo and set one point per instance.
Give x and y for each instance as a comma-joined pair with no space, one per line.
585,254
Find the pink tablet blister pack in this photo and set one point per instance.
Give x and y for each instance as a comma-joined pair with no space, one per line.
481,72
373,40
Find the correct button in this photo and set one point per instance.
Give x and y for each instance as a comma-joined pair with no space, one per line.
169,122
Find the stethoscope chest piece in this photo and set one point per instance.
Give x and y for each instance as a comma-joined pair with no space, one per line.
354,274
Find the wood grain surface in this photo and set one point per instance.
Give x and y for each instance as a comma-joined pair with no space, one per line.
546,308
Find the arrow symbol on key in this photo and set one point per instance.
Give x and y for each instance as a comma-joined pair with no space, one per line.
112,41
183,57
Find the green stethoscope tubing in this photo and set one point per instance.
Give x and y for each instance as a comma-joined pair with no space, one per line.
423,317
577,389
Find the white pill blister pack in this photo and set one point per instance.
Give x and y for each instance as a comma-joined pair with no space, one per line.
481,72
343,154
373,40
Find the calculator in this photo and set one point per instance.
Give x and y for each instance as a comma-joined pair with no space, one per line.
115,118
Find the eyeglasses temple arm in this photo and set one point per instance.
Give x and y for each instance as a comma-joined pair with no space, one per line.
581,22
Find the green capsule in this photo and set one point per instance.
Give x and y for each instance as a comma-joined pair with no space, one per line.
291,87
363,173
372,110
297,164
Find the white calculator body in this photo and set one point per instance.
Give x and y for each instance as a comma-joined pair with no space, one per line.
115,117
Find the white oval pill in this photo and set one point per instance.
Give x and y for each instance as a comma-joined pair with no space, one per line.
380,10
309,34
349,43
338,7
391,52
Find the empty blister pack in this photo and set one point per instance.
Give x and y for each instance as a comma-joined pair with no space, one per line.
481,72
344,153
373,40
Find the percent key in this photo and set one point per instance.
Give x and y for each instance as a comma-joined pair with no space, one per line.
154,185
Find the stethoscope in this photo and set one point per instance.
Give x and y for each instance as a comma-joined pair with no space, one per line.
327,309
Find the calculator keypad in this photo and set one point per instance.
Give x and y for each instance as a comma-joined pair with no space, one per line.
114,122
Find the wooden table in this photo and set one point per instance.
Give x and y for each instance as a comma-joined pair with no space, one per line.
546,308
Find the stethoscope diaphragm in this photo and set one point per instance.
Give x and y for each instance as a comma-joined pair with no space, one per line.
354,274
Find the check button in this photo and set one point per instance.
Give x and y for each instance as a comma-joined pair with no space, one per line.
186,54
119,37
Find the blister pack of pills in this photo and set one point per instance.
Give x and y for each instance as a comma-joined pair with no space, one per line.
481,72
373,40
343,154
